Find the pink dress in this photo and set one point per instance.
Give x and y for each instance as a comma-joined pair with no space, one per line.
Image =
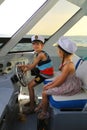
71,86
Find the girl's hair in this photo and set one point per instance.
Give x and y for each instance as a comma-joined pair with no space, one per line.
65,53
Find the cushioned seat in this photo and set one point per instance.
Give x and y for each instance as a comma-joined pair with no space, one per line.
75,101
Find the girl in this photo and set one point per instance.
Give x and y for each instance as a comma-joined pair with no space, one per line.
66,83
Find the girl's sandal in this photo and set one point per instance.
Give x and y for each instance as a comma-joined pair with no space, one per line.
43,115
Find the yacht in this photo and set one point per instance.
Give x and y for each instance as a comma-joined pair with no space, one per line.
20,19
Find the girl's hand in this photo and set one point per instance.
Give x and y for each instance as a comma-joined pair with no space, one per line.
48,86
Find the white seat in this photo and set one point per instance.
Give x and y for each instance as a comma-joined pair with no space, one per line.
76,101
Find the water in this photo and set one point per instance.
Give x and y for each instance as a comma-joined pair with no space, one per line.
79,39
81,42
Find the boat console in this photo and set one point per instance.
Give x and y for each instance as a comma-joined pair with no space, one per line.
8,98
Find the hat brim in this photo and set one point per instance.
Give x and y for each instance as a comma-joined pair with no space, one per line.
38,41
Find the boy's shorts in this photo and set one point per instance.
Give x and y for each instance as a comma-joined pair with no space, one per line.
39,79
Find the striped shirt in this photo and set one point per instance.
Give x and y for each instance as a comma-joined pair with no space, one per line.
46,66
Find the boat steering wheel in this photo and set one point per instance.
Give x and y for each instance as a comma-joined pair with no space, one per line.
21,76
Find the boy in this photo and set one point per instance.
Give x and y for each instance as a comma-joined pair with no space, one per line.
44,65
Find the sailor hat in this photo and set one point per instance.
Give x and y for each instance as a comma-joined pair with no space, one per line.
66,44
37,38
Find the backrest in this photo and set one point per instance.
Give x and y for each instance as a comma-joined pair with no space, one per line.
77,61
81,72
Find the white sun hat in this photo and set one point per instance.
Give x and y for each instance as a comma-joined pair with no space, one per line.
66,44
37,38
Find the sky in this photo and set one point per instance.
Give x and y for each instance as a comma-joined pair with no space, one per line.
79,28
13,13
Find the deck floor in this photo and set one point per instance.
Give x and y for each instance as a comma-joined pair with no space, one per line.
30,123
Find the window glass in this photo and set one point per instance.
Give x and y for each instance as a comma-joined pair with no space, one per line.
78,34
55,18
14,13
51,22
22,47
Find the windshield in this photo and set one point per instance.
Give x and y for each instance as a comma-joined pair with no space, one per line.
15,13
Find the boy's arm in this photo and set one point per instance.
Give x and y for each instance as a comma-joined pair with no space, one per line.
31,66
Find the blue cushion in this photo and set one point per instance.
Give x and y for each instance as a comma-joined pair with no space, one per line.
76,103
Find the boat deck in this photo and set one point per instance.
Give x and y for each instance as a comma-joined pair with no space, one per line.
30,123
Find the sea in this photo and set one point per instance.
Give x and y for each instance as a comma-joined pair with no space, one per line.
81,42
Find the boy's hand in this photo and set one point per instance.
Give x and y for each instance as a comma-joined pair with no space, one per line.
23,68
